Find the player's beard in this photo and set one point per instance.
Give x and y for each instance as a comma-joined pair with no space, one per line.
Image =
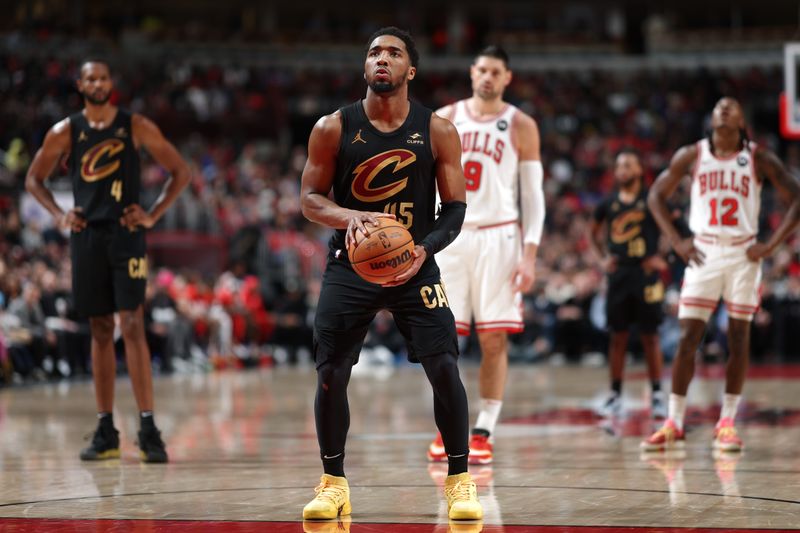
97,101
487,94
384,87
627,183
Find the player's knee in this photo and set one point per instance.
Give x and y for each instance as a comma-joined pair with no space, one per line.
494,344
102,328
440,367
131,325
334,375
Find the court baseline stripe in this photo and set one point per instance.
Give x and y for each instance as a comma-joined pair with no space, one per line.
304,487
38,525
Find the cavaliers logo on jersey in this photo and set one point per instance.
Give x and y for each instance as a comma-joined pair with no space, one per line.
98,162
366,172
626,226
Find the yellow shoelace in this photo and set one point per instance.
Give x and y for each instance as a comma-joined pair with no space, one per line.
668,432
331,493
462,490
728,432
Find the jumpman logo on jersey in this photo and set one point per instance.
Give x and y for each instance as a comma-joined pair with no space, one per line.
82,136
358,138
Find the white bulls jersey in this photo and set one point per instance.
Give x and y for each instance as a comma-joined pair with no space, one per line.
726,194
490,165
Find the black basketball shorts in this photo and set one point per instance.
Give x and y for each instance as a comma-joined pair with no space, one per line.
634,297
109,269
347,305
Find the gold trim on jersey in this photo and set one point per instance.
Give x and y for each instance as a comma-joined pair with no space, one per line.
90,172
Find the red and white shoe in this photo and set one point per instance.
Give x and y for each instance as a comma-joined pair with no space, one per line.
725,437
480,450
436,453
667,438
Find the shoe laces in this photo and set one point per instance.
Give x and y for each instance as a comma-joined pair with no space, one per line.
326,491
462,490
727,433
668,431
150,439
99,436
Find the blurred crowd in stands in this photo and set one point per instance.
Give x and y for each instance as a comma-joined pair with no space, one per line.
244,131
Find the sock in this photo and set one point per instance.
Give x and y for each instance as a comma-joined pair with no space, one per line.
333,466
677,409
616,386
106,420
146,420
655,386
457,464
489,413
730,404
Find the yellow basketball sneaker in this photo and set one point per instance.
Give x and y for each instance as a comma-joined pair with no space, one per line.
342,525
332,499
462,498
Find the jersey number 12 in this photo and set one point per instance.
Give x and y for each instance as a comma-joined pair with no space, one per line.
729,218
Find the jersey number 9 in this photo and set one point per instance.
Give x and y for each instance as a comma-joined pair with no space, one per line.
472,175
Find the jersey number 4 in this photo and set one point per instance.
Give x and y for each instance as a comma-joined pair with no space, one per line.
116,190
729,218
472,174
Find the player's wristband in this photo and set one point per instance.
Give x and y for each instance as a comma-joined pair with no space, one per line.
446,228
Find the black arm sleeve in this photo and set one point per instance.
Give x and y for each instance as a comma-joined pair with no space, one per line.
446,228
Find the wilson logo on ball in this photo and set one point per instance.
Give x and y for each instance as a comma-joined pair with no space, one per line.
392,262
366,172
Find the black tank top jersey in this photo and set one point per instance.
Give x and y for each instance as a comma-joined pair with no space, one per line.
632,230
387,172
104,167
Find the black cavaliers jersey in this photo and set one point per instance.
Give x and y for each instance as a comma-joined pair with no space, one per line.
632,231
387,172
104,166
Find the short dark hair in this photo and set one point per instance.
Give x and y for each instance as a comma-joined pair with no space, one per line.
496,52
94,59
404,36
630,150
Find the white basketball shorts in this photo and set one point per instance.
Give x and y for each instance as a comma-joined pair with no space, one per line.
726,273
476,270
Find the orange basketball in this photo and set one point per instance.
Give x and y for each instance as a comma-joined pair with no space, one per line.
387,252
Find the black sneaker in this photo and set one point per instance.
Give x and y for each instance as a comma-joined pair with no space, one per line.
152,449
105,445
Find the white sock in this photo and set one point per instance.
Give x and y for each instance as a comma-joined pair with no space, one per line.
677,409
730,404
490,412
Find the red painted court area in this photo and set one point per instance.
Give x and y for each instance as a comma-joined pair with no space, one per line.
24,525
